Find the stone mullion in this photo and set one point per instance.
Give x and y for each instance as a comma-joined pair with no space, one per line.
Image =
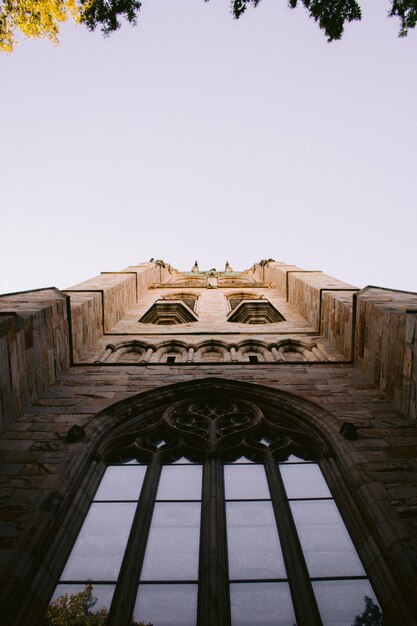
276,355
148,355
305,605
309,356
105,353
125,593
213,606
233,354
317,354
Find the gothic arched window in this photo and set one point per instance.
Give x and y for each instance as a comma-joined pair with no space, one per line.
215,515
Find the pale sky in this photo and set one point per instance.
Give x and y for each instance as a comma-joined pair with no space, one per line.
195,136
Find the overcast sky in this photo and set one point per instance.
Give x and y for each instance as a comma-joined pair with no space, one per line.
195,136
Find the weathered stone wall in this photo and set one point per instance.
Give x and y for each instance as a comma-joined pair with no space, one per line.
386,343
35,342
375,327
39,462
43,396
99,303
305,289
212,309
336,323
34,347
86,322
276,273
322,300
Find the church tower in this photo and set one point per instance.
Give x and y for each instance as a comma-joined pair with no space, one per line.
209,448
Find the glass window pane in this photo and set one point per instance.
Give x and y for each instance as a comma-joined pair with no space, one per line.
121,483
261,604
304,481
245,481
166,605
102,593
173,544
326,544
340,601
242,459
98,551
180,482
253,542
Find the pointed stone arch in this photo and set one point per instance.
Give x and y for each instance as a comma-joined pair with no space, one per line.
306,427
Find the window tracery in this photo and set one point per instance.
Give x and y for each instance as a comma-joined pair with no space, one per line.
222,514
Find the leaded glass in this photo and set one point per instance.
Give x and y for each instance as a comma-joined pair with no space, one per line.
173,544
245,482
253,543
167,605
340,601
99,549
261,604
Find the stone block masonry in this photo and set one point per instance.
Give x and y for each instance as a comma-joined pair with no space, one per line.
82,358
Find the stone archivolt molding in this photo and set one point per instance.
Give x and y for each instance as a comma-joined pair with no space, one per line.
211,351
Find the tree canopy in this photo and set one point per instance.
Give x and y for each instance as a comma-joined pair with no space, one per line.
77,610
42,18
371,616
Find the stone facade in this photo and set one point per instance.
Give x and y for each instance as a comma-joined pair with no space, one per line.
83,358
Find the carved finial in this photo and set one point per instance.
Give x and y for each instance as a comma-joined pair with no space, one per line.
227,267
195,267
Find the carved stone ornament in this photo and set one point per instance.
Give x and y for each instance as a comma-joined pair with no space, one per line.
212,420
348,430
210,425
75,433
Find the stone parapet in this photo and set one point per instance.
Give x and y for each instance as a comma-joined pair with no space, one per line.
99,303
86,322
277,274
44,469
117,292
305,291
336,320
386,343
322,300
33,347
